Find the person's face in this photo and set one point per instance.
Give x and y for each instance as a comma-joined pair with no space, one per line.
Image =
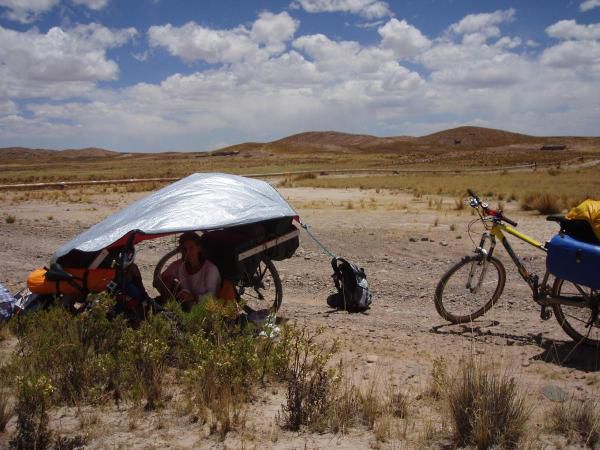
190,251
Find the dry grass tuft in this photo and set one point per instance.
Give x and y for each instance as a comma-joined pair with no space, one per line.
10,219
579,421
486,409
439,378
304,176
6,410
544,203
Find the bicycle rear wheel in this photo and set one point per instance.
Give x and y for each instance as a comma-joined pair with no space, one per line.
260,289
459,300
582,324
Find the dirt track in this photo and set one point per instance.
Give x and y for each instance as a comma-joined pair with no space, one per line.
404,254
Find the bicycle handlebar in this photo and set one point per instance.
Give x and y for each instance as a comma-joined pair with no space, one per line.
490,212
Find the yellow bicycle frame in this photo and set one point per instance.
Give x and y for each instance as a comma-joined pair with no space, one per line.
497,232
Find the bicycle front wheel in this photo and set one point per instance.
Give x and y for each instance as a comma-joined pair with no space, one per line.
582,324
469,288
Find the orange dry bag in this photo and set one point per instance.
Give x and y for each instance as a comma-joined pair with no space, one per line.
85,280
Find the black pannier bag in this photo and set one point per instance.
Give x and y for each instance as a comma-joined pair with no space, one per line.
353,288
224,246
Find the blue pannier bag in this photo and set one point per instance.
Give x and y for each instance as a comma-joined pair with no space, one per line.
575,261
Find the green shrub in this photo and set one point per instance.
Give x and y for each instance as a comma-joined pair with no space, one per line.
144,358
79,354
33,400
6,410
311,385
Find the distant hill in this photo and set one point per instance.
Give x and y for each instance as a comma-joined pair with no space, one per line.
26,153
475,137
461,139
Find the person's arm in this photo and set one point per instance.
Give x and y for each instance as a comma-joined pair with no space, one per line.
166,280
213,280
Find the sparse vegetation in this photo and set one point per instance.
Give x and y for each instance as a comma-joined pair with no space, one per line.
439,378
310,383
6,410
459,204
486,409
578,420
544,203
33,400
103,358
10,219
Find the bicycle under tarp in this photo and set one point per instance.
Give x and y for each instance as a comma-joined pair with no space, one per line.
472,286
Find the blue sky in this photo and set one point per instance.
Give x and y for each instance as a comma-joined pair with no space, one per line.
159,75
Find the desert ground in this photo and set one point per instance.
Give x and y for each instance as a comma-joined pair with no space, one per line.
405,242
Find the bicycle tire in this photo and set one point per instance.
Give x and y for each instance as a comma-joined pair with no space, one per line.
573,319
261,287
446,302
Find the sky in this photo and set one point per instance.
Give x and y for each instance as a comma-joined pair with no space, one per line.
196,75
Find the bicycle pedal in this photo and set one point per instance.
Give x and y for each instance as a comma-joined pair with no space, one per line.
545,313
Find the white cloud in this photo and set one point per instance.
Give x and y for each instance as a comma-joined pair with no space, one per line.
96,5
8,107
403,39
570,29
369,9
508,42
572,54
266,82
483,24
28,11
589,4
193,42
59,63
274,29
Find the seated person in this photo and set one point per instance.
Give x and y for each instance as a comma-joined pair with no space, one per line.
192,276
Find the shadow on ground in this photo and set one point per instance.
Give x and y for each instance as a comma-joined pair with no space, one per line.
486,329
570,354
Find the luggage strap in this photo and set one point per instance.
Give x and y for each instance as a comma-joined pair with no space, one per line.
314,238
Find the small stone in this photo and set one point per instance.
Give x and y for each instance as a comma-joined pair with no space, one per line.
554,393
459,237
371,359
424,239
443,243
412,239
526,363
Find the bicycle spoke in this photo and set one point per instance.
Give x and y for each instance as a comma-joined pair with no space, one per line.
458,301
581,323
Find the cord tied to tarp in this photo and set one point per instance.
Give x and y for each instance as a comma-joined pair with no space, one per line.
314,238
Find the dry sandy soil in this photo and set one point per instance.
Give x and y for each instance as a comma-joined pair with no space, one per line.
405,246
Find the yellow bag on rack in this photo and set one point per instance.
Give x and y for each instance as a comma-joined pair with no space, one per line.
588,210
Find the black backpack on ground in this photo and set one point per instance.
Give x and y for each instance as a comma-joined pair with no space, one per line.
352,287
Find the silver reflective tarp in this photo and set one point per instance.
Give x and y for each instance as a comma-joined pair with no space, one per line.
199,202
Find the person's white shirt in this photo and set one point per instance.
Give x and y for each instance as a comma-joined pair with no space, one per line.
204,282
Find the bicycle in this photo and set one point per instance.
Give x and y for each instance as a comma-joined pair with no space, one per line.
477,281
